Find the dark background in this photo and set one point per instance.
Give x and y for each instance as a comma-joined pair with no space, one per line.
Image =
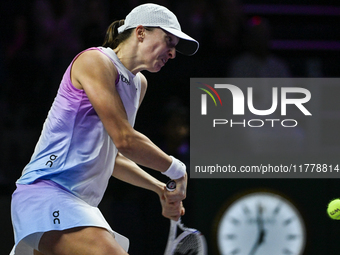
39,39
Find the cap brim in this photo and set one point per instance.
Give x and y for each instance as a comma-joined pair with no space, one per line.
187,45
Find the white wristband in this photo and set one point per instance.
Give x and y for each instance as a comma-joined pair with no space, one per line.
176,170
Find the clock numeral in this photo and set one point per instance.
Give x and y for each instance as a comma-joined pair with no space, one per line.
230,236
277,210
286,251
288,221
246,210
291,237
235,221
235,251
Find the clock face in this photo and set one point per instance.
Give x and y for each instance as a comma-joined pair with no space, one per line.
261,223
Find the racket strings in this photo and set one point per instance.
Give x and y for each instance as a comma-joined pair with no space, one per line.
190,245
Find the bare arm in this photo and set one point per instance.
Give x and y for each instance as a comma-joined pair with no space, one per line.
96,74
127,171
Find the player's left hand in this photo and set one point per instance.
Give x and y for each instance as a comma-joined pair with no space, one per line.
172,210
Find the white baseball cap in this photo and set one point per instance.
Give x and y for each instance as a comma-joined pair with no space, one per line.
153,15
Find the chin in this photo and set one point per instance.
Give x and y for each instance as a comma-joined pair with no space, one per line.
155,69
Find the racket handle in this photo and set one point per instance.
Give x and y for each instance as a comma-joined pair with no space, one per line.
171,185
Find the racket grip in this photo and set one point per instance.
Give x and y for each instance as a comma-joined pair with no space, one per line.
171,185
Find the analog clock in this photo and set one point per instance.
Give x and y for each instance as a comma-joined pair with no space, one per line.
261,223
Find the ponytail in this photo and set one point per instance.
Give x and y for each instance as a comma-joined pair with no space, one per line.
112,38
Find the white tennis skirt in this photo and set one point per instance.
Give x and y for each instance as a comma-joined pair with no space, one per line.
44,206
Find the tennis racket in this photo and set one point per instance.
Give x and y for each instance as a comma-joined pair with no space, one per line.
183,240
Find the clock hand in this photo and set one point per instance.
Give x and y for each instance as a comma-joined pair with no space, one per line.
261,231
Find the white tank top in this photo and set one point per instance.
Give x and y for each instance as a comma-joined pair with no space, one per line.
74,149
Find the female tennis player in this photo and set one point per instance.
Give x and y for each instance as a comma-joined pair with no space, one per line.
88,136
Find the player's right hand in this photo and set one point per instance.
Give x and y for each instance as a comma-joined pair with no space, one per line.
179,194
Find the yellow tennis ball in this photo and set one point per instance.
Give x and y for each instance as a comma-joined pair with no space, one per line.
333,209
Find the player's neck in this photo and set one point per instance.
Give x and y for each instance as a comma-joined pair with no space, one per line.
127,54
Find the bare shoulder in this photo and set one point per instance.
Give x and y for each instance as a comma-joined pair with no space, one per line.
91,57
92,65
144,81
144,85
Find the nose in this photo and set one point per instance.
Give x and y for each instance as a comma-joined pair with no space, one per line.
172,53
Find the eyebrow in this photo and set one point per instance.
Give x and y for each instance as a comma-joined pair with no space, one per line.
172,37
